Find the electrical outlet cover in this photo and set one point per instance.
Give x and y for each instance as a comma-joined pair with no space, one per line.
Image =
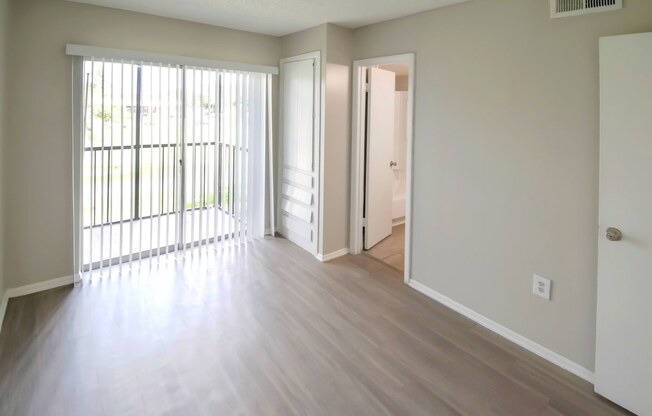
541,286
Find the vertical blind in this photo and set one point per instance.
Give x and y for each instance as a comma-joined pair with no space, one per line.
172,157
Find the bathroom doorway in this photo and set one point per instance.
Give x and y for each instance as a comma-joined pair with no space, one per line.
382,159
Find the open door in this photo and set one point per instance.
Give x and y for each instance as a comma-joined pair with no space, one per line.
623,362
380,149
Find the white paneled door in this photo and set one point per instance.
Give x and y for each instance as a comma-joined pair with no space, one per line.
299,191
380,152
624,311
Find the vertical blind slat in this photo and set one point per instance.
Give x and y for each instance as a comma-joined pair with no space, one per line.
234,155
150,114
102,199
250,157
139,171
178,158
243,157
122,150
194,162
166,160
221,172
238,154
216,133
109,153
92,167
200,164
270,152
159,158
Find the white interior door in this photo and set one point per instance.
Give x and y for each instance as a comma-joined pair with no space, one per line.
624,312
400,155
299,191
380,150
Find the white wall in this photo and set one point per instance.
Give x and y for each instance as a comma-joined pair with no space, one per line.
4,32
38,151
506,158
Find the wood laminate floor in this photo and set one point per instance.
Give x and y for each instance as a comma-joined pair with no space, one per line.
265,329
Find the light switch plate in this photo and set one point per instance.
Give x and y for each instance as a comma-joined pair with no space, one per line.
541,286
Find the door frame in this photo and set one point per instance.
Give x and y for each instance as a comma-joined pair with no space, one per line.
318,151
357,153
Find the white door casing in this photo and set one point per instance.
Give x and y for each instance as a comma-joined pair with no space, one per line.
358,116
624,311
298,214
380,152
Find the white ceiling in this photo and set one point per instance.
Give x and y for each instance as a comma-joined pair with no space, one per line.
277,17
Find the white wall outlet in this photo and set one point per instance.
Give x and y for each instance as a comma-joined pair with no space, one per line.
541,286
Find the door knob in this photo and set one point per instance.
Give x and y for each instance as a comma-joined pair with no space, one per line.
614,234
392,164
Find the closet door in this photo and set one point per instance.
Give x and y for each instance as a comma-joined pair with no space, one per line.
299,191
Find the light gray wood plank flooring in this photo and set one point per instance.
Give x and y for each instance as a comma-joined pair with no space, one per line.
265,329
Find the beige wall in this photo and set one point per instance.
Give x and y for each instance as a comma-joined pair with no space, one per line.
4,32
337,143
309,40
506,158
38,151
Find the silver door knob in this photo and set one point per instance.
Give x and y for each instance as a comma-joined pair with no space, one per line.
392,164
614,234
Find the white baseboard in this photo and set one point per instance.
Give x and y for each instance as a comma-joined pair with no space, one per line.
331,256
29,289
507,333
398,221
39,287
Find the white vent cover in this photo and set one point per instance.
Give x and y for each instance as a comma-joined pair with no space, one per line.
564,8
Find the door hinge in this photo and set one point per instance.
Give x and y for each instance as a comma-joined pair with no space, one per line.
366,87
364,222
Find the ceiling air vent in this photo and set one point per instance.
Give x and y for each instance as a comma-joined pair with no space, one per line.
564,8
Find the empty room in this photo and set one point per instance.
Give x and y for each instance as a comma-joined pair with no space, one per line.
344,207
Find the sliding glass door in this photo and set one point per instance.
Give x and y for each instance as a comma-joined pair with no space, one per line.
171,157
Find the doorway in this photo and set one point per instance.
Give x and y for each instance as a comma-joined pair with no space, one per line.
382,159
